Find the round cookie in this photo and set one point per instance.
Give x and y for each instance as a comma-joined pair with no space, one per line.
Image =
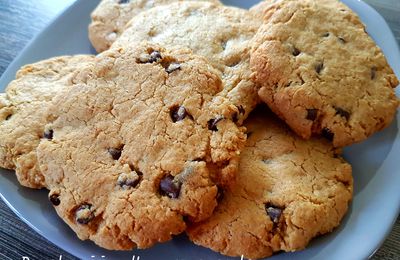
226,46
22,113
110,17
138,147
288,191
321,72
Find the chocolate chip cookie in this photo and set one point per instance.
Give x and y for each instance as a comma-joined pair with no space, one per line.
288,191
219,33
111,16
137,147
321,72
22,113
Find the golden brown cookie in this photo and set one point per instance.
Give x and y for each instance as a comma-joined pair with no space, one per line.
138,147
219,33
111,16
22,113
321,72
288,191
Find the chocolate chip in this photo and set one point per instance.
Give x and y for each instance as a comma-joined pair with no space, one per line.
173,67
312,114
241,109
178,113
223,45
342,40
342,113
170,187
115,152
273,212
48,134
154,56
373,73
327,133
8,117
295,51
288,84
129,180
123,1
220,195
235,117
187,219
267,161
212,123
301,80
54,198
198,160
326,34
84,214
319,67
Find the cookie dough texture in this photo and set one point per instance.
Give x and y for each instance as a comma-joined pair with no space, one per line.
321,72
219,33
22,113
111,16
288,191
138,147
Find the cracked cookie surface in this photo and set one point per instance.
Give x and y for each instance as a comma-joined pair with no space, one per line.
138,147
321,72
110,17
226,45
22,113
288,191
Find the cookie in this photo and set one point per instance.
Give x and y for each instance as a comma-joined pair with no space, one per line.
226,46
111,16
321,72
288,191
138,147
258,10
22,113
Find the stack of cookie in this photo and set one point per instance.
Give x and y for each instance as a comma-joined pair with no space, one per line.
171,128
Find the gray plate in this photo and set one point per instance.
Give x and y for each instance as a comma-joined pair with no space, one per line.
375,163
